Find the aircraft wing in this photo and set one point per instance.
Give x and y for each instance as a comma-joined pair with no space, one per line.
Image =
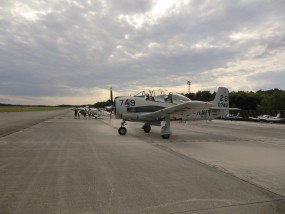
190,107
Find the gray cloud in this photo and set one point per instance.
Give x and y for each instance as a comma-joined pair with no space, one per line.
75,48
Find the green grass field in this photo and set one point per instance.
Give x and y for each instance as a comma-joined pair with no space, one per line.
28,108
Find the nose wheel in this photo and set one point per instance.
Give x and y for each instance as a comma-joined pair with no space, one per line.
122,130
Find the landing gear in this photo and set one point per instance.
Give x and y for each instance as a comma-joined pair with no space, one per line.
122,130
146,127
165,136
165,130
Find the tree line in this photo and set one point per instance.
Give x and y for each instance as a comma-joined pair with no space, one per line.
273,99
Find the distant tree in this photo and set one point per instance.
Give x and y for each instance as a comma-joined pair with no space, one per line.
207,96
201,96
244,100
102,104
191,96
272,100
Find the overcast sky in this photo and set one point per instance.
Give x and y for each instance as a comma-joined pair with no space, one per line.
71,51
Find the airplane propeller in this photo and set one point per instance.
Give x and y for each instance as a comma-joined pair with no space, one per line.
111,96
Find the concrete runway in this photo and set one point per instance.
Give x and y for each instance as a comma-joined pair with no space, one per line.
65,165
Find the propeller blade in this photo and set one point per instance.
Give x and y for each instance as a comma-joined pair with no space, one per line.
112,102
111,96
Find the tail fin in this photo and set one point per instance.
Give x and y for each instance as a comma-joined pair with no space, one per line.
278,115
222,98
222,102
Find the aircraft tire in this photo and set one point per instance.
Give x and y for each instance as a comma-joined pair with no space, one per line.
122,131
147,129
165,136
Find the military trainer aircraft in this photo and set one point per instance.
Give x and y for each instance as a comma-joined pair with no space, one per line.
151,109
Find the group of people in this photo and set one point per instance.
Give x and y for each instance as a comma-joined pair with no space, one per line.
85,112
88,112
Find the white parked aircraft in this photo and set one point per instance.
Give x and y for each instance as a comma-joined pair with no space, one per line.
87,111
268,118
152,109
97,112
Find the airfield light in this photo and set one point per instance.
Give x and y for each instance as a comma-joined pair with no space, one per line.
188,83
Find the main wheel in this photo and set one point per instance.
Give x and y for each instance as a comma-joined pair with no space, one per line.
165,136
122,131
147,129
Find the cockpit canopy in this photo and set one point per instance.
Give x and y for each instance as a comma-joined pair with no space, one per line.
162,96
180,97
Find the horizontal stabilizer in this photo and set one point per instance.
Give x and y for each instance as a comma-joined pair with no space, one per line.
220,108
